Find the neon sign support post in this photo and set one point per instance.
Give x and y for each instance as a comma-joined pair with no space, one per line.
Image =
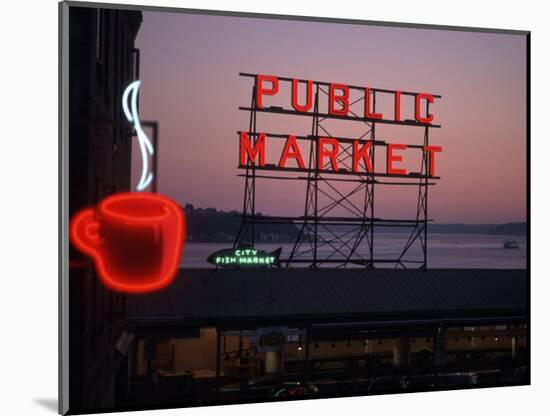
340,174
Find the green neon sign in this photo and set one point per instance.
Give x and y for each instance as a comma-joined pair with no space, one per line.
244,257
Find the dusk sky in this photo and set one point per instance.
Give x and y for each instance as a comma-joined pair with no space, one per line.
190,85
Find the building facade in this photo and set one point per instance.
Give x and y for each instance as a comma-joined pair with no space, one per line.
102,62
227,336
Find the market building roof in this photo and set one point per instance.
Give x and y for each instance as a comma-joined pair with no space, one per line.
268,296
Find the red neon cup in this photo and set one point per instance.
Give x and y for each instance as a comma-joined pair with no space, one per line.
135,240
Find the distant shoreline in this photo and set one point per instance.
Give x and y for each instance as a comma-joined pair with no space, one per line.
212,225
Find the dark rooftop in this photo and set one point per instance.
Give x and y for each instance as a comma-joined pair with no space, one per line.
278,295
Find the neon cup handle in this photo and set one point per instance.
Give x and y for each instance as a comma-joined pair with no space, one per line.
85,232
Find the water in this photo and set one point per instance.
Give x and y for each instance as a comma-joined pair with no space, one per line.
444,251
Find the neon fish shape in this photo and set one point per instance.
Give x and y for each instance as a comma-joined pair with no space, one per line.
129,105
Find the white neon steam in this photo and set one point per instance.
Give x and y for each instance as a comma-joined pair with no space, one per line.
131,113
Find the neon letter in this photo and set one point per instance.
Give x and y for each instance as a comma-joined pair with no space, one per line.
417,113
343,99
247,149
431,155
331,154
363,153
309,96
395,158
291,150
397,106
368,114
261,91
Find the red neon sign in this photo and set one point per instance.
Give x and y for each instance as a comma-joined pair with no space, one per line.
328,154
329,150
339,101
135,240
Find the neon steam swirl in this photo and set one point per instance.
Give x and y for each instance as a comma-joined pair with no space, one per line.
129,105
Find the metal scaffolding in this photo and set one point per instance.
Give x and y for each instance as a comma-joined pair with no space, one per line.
337,228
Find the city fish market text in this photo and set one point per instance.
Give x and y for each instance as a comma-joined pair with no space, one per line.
244,257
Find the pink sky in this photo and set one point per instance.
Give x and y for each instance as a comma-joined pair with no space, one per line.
190,66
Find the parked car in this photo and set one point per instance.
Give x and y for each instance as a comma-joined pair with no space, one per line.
489,377
293,389
420,382
387,384
456,379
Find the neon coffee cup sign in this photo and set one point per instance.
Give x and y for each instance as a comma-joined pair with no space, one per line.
135,239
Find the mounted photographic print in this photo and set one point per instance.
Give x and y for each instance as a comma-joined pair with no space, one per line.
257,208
